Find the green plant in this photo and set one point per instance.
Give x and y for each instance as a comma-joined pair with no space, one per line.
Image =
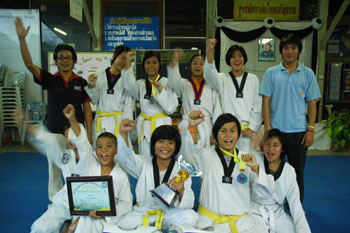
339,127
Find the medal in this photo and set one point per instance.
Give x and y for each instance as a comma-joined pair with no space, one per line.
227,179
242,178
239,95
110,91
197,102
65,158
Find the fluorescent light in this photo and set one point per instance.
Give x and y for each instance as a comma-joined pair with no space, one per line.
60,31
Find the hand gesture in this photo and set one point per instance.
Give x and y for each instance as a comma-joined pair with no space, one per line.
92,214
158,85
178,54
211,43
179,186
92,80
21,31
308,139
195,118
126,126
73,226
250,161
130,55
69,111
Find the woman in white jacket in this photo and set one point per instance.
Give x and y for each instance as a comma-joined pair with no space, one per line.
267,199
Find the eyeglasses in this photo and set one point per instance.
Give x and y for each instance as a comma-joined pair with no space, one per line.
65,58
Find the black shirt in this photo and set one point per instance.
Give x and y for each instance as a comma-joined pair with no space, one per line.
60,93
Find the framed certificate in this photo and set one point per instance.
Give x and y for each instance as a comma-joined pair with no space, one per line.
266,49
86,193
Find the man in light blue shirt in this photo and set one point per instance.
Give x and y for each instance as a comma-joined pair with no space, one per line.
288,89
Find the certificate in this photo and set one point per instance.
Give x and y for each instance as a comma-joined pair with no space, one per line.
86,193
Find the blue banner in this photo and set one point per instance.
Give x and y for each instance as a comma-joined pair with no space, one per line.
135,32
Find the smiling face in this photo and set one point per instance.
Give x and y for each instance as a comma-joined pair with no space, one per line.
120,62
65,61
197,66
228,136
290,53
106,149
152,67
70,145
237,61
272,149
165,148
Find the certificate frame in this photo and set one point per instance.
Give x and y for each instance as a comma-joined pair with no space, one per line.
92,187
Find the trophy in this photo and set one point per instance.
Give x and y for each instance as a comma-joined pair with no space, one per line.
167,194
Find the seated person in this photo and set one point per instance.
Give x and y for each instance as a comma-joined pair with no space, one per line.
281,184
165,145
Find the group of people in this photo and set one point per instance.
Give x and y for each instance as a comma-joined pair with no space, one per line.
242,190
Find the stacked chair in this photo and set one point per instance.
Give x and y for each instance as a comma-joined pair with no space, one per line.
11,98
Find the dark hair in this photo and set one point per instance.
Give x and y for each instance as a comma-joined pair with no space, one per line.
196,55
119,50
108,135
278,134
267,43
223,119
150,54
64,47
231,50
291,38
166,132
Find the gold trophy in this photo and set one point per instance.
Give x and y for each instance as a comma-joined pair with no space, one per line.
165,193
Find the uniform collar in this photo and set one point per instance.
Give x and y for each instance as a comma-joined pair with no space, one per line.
284,68
74,75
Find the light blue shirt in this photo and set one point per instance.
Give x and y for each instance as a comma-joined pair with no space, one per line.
289,95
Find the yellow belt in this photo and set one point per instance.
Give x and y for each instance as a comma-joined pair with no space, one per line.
108,114
230,219
159,220
153,121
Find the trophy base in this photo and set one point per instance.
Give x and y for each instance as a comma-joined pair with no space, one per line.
165,194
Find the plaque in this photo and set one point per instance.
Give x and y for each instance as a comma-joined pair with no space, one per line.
86,193
165,193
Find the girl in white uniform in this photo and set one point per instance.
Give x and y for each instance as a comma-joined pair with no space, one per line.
239,92
112,102
156,99
68,158
195,93
267,200
226,182
105,165
162,168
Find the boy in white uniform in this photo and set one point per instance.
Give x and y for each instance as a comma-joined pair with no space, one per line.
225,192
204,98
239,92
267,200
68,158
156,99
165,144
113,103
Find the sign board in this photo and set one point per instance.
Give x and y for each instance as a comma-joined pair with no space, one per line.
135,32
279,10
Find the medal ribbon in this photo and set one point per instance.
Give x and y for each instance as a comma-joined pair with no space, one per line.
239,89
150,88
237,159
227,170
159,220
197,93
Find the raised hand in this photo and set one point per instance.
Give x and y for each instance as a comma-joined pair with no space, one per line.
158,85
211,43
178,54
251,162
92,79
69,111
195,118
130,55
21,31
126,126
179,186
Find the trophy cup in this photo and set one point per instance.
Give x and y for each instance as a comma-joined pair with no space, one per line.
167,194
